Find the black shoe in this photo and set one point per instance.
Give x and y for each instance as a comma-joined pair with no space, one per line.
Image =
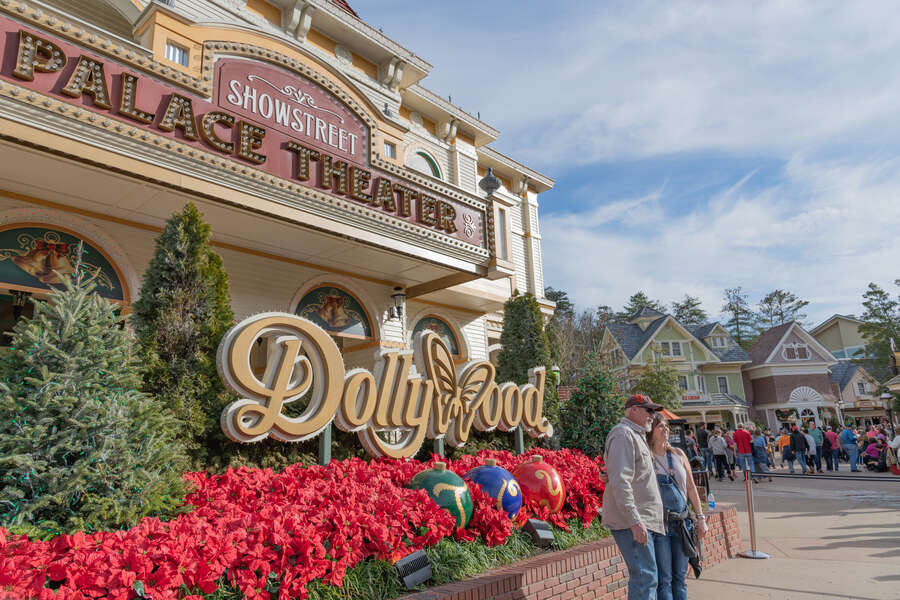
731,478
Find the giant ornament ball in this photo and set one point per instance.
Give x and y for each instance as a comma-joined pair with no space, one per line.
447,489
498,483
541,483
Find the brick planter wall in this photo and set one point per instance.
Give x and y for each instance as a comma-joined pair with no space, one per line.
591,571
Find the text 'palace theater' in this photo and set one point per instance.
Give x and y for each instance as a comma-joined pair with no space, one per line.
338,187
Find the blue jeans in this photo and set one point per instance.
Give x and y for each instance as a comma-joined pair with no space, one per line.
707,459
831,460
745,461
672,564
853,452
818,458
641,563
801,460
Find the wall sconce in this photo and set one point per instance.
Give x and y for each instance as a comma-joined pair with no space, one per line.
398,299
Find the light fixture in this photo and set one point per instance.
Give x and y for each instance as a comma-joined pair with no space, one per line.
398,299
414,569
387,110
539,531
489,183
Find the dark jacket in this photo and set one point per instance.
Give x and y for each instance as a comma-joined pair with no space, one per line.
702,438
798,442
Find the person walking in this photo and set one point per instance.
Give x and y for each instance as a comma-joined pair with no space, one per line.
632,505
719,448
831,449
744,444
784,446
811,451
819,438
760,456
798,447
703,442
729,451
677,489
848,441
691,443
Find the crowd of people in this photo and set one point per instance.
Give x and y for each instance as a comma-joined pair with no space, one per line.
724,449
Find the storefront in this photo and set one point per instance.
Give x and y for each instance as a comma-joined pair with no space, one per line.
337,187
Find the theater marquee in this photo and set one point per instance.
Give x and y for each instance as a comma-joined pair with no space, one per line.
266,117
305,366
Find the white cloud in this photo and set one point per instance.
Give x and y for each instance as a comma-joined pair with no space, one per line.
824,232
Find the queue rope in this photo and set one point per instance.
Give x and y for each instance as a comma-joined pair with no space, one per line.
753,552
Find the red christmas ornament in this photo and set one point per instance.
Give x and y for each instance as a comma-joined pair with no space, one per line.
541,483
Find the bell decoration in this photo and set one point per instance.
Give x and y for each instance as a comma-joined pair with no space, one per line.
334,313
447,489
498,483
46,261
541,483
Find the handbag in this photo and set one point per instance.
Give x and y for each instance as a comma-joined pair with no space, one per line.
677,517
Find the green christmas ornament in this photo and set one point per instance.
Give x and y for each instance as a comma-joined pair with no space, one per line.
447,489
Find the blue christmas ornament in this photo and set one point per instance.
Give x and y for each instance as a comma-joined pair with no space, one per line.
500,484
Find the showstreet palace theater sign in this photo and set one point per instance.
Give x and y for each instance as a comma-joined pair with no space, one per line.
305,365
262,117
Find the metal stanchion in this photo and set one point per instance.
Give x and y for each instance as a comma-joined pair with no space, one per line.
752,552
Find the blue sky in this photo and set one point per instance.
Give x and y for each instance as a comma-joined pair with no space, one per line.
695,146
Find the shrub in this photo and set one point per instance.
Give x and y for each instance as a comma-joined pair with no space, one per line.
592,410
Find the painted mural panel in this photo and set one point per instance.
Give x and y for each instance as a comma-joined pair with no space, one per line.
335,311
440,327
37,257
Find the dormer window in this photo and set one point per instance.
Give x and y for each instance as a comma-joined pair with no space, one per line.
718,341
671,348
795,352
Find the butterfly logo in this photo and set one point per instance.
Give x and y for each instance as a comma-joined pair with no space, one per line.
457,398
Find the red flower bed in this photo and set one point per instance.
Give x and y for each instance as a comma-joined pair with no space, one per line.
298,525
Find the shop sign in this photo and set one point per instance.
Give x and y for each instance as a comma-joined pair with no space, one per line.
690,397
264,117
430,400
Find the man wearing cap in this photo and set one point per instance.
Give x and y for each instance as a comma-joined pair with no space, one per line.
632,507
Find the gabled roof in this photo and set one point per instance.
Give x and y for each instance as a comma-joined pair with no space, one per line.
631,337
827,322
732,353
842,372
646,312
701,331
762,349
343,5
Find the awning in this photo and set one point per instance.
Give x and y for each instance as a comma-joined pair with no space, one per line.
668,414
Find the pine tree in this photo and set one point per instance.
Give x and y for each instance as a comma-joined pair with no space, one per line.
639,300
882,324
183,311
741,321
524,346
81,447
779,307
689,312
592,410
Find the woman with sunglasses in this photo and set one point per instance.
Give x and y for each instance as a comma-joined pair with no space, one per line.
677,489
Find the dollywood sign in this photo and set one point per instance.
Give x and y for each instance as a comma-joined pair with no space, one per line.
303,364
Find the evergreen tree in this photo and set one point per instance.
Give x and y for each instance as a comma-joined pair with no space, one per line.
688,312
81,447
660,382
636,302
564,306
592,410
779,307
524,346
882,324
741,323
183,311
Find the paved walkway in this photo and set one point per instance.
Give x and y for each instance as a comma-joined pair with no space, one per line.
834,540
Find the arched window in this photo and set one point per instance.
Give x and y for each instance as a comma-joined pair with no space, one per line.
34,258
422,162
336,311
440,327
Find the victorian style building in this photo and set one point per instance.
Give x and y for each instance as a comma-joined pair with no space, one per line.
337,185
707,361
